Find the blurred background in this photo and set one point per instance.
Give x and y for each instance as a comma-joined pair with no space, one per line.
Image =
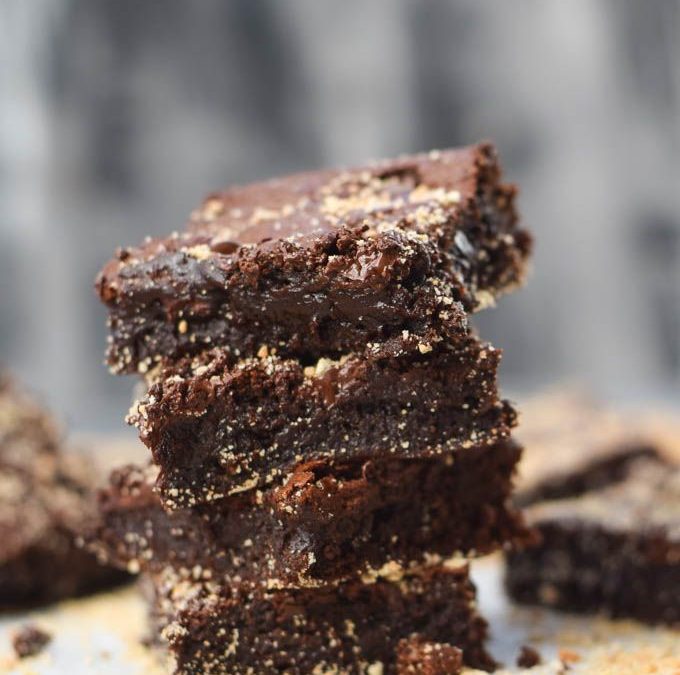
117,116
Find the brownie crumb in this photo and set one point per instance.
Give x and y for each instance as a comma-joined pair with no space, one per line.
567,656
528,657
30,640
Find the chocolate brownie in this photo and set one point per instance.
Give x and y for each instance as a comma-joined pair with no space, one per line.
615,549
600,469
327,522
217,425
45,495
350,628
420,657
319,264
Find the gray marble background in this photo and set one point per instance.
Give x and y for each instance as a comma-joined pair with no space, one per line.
116,116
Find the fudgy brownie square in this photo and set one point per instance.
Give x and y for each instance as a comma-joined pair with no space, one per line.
613,549
319,264
218,425
349,628
326,522
46,493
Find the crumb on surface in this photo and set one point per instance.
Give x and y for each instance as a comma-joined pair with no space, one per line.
528,657
30,640
568,656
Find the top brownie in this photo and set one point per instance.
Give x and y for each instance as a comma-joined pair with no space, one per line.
320,263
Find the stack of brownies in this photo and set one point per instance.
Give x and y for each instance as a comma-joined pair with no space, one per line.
328,440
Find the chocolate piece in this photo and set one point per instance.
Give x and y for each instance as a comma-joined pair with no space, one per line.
319,264
615,549
45,495
415,655
327,522
30,640
350,628
217,426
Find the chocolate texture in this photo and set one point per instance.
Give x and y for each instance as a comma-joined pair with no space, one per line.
418,656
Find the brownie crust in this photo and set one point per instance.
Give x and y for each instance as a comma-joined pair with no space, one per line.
350,628
319,264
217,426
325,523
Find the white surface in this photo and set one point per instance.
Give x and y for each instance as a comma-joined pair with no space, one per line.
103,635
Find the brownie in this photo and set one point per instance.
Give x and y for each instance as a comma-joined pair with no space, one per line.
327,522
614,550
45,495
319,264
349,628
573,445
217,425
607,466
418,656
